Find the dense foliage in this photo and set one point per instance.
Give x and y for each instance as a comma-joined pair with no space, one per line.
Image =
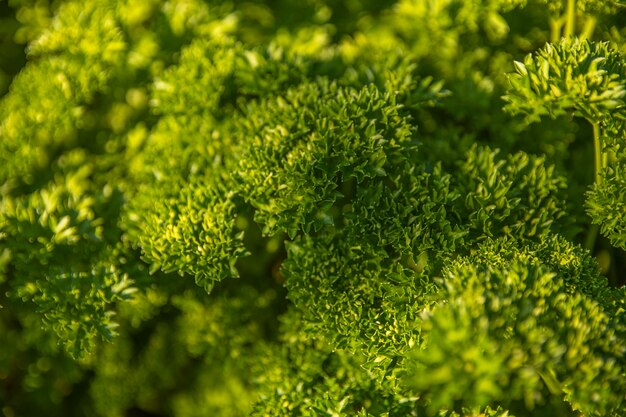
423,204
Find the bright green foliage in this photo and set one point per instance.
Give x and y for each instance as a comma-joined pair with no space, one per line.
302,144
191,214
516,197
51,120
370,279
584,79
411,214
306,377
193,234
404,246
63,176
606,201
514,329
574,76
571,263
61,221
363,301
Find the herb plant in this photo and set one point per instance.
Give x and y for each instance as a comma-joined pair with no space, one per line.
315,208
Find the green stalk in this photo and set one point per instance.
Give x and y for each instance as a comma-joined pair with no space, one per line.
570,20
590,242
597,152
592,235
555,29
590,26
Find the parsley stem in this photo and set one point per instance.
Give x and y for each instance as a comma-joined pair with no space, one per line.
590,26
555,29
597,152
592,235
590,242
570,21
